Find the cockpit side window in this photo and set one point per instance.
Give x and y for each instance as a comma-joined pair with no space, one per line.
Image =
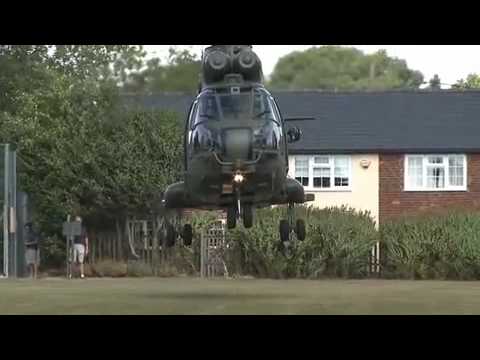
207,108
260,107
264,107
193,114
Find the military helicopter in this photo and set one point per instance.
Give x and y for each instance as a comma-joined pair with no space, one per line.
236,146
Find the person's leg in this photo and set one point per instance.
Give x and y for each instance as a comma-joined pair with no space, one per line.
81,259
29,261
35,264
75,259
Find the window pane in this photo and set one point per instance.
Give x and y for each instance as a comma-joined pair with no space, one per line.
321,182
321,172
301,162
415,172
321,160
302,180
301,170
455,170
435,177
321,177
341,181
435,160
301,167
341,171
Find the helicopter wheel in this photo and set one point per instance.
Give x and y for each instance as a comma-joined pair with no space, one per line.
284,231
187,234
170,235
231,218
247,216
300,230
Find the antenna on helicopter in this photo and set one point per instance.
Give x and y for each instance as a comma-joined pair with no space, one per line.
299,118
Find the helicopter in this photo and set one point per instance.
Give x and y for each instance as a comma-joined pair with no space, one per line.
236,147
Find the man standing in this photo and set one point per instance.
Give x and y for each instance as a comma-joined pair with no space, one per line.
32,251
80,248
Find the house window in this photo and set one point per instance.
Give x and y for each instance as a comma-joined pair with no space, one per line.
323,172
435,173
301,171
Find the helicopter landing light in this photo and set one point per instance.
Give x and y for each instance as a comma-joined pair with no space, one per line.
238,178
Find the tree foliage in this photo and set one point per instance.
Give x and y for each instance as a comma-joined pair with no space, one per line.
435,83
340,68
472,82
26,68
80,150
179,74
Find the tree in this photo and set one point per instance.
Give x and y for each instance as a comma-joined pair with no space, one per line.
472,82
179,74
435,83
340,68
24,68
79,148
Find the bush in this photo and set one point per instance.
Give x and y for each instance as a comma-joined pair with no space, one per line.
138,268
338,244
109,268
433,246
52,252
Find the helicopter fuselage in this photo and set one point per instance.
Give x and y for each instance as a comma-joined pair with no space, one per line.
212,184
235,148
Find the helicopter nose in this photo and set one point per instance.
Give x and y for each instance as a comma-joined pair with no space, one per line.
237,144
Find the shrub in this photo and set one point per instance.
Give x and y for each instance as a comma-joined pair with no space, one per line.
338,244
442,246
52,252
138,268
109,268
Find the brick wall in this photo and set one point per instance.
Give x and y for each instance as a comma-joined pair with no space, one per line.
394,201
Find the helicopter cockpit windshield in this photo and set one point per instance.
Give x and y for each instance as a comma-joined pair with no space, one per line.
251,104
251,108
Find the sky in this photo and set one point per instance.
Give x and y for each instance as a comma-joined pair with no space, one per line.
450,62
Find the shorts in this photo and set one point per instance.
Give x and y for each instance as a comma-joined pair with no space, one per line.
32,256
78,253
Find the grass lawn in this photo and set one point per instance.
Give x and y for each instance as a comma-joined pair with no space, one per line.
240,296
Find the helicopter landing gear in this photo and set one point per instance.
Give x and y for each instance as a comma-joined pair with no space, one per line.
239,210
173,232
231,217
300,230
247,213
284,231
287,226
170,235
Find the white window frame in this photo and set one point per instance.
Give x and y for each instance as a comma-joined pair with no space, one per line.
331,165
424,187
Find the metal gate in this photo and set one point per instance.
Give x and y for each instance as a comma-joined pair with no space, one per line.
141,233
375,264
213,249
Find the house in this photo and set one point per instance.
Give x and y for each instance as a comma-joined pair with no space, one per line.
389,153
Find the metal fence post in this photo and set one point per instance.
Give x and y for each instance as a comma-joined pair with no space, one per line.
5,213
